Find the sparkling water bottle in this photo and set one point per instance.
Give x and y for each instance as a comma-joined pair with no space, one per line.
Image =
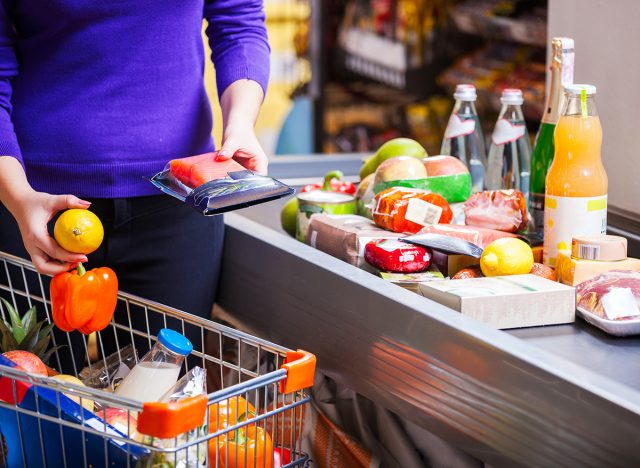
509,160
463,137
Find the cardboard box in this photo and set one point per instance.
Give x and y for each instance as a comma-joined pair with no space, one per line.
506,301
573,271
449,265
344,236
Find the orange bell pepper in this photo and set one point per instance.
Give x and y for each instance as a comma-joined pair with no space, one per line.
84,300
247,447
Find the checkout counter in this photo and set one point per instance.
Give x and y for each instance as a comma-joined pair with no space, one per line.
565,395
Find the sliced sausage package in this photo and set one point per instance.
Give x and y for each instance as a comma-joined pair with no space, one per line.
502,210
408,210
215,187
394,256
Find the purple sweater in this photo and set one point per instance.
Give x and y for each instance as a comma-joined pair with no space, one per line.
96,95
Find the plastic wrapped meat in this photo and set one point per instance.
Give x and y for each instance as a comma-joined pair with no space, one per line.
476,235
395,256
400,209
614,295
503,210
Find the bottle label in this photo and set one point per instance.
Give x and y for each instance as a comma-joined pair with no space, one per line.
506,132
459,127
568,217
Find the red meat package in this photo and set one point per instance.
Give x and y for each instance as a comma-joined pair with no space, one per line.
476,235
214,187
197,170
503,210
401,209
397,257
614,295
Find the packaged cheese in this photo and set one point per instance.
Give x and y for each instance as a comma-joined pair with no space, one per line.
344,236
506,301
573,271
408,210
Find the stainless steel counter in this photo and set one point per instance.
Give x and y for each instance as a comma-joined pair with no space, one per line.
550,396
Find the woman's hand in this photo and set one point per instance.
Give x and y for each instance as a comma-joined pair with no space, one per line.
242,144
33,215
33,211
240,104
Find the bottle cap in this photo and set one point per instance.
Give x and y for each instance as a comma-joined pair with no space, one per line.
175,342
512,96
577,89
465,92
602,248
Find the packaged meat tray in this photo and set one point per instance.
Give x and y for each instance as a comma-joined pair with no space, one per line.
408,210
502,210
611,302
215,187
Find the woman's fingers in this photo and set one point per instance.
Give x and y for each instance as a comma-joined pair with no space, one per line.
49,246
45,265
257,163
64,202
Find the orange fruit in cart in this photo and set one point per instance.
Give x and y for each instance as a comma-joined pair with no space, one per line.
78,231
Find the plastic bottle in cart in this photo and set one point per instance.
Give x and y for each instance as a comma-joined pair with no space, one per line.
562,59
509,160
463,137
577,185
158,370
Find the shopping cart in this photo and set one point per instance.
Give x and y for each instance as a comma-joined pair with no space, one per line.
44,422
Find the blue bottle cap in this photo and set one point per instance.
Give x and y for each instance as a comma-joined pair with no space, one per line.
175,342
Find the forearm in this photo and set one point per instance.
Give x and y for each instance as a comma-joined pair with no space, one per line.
240,104
14,186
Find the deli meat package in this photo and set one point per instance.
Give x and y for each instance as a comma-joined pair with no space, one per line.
214,187
476,235
611,301
401,209
503,210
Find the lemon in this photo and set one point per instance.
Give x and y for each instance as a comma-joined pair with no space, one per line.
86,404
506,256
78,231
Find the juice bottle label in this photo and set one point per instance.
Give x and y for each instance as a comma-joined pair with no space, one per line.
567,217
458,126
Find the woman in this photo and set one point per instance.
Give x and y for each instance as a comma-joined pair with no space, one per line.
97,96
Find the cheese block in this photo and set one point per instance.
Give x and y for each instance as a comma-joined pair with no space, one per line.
573,271
603,248
506,301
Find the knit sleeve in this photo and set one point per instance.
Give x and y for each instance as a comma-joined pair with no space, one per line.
238,38
8,69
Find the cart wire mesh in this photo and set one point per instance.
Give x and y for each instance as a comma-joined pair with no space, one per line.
249,422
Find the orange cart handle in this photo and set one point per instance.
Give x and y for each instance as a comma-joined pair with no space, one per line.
301,368
168,420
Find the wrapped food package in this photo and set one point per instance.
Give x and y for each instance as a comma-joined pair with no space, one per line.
502,210
344,236
400,209
476,235
396,256
614,295
214,187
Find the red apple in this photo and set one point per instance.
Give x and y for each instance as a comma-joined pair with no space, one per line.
27,361
444,165
119,418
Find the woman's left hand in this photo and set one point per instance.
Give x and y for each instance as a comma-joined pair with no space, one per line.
242,145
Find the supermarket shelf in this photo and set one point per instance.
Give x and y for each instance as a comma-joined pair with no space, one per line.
553,396
473,18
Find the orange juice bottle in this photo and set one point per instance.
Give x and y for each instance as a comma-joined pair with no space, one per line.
576,185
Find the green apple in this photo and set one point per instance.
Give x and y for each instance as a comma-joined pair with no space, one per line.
392,149
288,216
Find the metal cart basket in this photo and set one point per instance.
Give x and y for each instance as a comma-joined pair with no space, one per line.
251,417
